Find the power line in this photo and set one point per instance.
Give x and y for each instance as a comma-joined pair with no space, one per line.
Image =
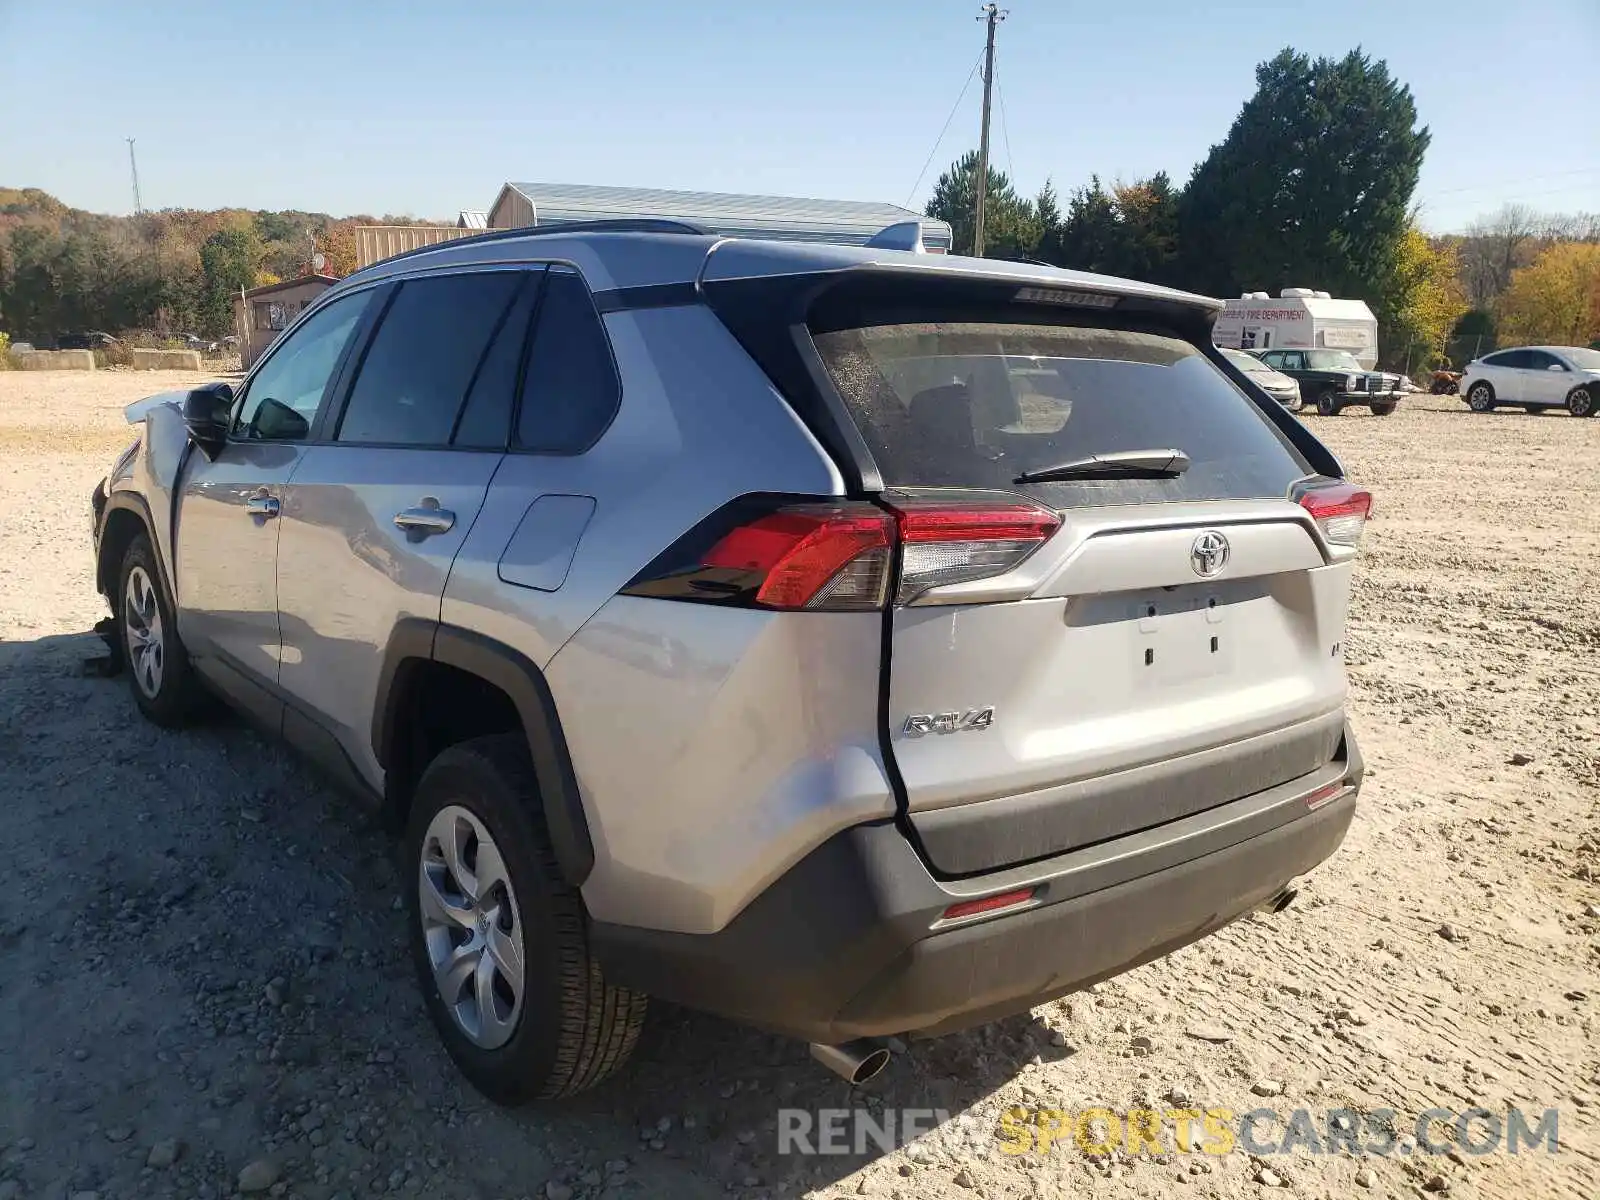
1491,187
1005,132
940,139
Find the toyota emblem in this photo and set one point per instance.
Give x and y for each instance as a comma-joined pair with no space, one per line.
1209,554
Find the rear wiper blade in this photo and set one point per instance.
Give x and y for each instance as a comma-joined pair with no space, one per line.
1120,464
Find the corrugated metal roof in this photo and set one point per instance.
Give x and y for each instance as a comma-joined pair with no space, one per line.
786,217
472,219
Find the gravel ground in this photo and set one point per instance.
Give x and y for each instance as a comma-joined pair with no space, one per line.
204,988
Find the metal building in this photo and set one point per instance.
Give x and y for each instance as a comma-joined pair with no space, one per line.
790,218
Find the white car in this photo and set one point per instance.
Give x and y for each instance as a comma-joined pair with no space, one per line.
1535,378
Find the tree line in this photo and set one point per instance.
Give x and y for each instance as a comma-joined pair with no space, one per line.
1311,187
174,271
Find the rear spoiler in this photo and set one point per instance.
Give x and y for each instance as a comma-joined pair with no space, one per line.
904,235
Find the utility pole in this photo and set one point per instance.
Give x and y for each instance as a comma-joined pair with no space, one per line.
133,162
992,14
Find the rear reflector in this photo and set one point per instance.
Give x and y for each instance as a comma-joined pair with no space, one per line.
1340,511
1324,794
971,908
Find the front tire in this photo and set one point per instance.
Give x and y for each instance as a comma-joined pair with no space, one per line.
164,683
1581,402
1381,410
500,940
1481,398
1328,403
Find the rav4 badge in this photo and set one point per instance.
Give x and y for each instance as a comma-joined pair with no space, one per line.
951,722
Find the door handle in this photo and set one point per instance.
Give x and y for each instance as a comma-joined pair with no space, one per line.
262,505
426,518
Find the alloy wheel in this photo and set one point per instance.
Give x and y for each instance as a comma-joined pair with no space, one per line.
141,623
472,926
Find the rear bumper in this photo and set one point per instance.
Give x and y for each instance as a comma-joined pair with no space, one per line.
850,941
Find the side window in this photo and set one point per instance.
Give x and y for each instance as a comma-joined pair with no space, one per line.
485,423
424,357
283,396
1273,360
571,391
1538,360
1496,360
1294,361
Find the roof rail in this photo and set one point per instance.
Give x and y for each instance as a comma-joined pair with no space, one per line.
613,225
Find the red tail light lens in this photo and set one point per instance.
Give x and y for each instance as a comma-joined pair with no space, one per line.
766,553
944,544
822,557
1340,511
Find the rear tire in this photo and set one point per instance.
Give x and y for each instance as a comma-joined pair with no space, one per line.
552,1026
1381,410
1481,398
1328,403
1581,402
164,684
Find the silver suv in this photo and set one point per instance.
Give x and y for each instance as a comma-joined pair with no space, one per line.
847,641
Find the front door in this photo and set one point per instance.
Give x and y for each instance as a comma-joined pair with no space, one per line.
228,517
376,512
1507,372
1546,380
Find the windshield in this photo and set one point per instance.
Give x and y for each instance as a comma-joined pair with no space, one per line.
1332,360
1245,362
1584,360
976,404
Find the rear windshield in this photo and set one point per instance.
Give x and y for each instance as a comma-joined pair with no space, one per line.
975,404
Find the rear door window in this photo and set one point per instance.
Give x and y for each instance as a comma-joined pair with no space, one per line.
976,404
570,392
425,356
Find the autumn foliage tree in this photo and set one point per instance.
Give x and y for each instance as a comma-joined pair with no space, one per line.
1556,300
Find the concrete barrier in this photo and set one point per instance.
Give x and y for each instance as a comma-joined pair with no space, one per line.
53,360
166,360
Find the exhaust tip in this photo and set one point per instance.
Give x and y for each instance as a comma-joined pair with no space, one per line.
856,1062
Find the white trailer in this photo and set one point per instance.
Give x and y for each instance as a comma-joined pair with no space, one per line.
1299,319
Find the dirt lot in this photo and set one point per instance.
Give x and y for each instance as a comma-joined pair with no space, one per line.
202,969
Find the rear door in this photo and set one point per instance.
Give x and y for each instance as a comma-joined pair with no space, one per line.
1171,645
380,505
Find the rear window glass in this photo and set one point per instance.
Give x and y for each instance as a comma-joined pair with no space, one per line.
974,404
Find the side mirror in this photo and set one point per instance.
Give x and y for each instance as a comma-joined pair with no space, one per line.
1555,367
205,413
277,422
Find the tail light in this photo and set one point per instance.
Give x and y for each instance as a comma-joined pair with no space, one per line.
945,543
1340,511
765,553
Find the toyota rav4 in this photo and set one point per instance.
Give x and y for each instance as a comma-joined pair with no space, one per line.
849,641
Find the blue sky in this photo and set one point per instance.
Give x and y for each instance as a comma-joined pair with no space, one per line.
352,106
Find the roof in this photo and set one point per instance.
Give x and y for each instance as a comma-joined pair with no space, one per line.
471,218
285,284
731,214
617,259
